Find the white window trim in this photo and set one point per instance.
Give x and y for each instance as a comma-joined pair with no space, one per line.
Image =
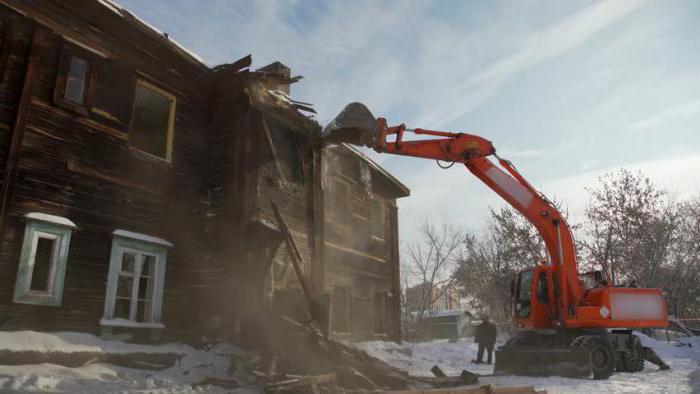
56,228
141,244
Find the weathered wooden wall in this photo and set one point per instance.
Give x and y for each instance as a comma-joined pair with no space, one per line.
82,168
355,259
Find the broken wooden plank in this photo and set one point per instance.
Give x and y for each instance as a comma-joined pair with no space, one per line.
296,259
488,389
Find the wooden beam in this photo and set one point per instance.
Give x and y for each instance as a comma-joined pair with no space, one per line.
319,219
18,128
296,259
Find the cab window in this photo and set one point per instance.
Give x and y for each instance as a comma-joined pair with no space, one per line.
542,291
522,301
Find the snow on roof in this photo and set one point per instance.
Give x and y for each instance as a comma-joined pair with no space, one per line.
123,12
45,217
141,237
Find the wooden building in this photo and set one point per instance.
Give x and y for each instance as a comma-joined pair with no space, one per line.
138,183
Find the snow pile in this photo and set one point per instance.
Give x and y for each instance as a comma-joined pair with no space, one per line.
196,365
417,359
70,342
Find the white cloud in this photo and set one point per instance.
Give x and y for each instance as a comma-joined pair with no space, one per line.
671,113
543,45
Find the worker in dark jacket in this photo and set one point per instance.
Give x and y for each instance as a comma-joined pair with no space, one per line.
485,336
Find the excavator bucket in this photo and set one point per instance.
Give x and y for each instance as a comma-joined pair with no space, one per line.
543,361
354,125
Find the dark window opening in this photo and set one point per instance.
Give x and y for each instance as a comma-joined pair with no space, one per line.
288,147
380,309
522,302
340,309
152,121
341,203
43,261
542,290
5,38
378,219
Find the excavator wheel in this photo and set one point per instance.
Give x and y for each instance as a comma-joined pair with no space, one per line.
633,361
602,355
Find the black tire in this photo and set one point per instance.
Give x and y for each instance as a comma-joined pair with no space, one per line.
633,361
602,355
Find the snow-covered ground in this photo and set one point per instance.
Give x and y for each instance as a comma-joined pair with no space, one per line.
211,362
452,358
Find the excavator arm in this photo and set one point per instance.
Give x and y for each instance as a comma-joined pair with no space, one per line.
506,181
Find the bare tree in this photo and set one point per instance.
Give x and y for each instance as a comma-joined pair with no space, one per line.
429,262
490,260
630,228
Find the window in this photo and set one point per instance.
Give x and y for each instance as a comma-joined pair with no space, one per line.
522,302
153,120
5,41
74,80
288,149
42,262
380,315
340,213
136,278
378,218
340,310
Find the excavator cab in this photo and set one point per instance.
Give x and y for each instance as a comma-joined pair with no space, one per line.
530,298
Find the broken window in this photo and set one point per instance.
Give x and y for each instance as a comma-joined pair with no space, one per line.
341,203
74,80
378,218
380,316
43,260
288,149
136,279
340,309
153,120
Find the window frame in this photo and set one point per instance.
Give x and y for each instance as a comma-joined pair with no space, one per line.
171,119
140,244
344,227
382,205
68,51
347,305
381,321
45,226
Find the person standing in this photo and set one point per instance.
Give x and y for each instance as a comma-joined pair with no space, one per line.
485,336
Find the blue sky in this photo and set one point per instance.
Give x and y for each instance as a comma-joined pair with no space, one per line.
567,90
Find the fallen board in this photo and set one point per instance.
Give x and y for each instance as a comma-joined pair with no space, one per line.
474,390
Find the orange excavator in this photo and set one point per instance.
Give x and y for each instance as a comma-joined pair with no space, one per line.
567,323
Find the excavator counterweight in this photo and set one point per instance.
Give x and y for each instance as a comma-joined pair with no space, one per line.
563,327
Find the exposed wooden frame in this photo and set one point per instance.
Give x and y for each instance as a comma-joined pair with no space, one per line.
271,146
171,119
